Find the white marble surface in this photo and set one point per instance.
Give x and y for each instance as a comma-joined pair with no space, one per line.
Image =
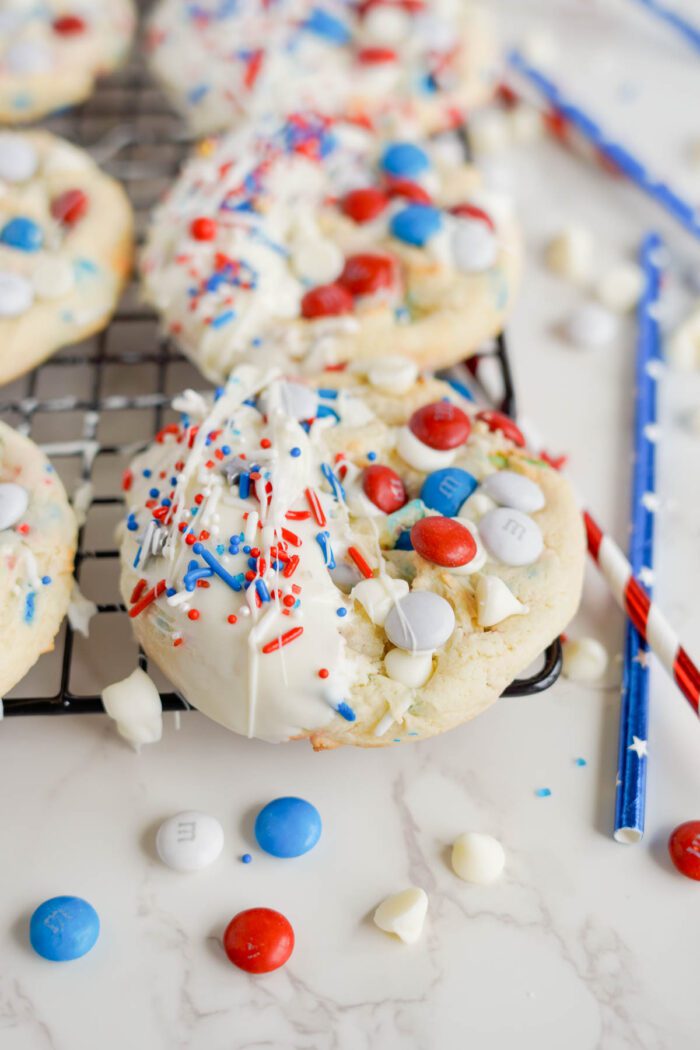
585,943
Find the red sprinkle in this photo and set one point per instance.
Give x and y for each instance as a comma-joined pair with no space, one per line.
316,508
291,537
148,597
127,480
384,488
68,25
327,300
366,273
177,641
323,673
137,591
265,443
298,515
193,614
443,541
232,618
284,639
364,205
360,562
373,56
291,566
498,421
440,425
69,206
289,600
203,229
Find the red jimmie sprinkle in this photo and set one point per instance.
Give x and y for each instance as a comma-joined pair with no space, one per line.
291,566
316,508
298,515
149,596
127,480
137,591
284,639
360,562
68,25
291,537
374,56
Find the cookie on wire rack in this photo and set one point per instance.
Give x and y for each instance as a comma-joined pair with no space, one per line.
312,242
38,534
355,559
66,246
223,62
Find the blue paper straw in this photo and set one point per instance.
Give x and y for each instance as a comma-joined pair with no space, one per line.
617,154
630,797
690,32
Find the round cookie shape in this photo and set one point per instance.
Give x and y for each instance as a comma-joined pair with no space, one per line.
51,53
283,603
222,63
281,243
66,243
38,534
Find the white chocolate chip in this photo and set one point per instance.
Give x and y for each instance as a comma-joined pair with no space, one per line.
420,456
489,131
474,246
318,261
684,345
478,858
496,601
591,327
620,287
385,25
411,669
134,704
403,914
392,374
570,254
526,124
53,278
585,660
476,506
378,595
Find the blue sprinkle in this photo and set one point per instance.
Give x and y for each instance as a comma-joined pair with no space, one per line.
29,607
261,588
226,450
346,712
246,549
165,502
197,94
371,456
580,762
324,411
46,580
323,24
244,486
403,543
461,388
219,392
405,159
295,452
543,792
327,393
23,234
220,549
341,611
223,319
333,481
147,473
324,541
170,591
153,493
246,858
416,224
131,523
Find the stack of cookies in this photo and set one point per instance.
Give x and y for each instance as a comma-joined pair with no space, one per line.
333,544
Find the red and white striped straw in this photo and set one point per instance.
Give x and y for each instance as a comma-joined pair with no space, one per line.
645,614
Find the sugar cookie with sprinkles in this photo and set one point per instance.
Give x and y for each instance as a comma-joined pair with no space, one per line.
315,241
222,61
343,560
51,52
37,542
66,244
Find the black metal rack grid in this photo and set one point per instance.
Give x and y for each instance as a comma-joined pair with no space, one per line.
91,405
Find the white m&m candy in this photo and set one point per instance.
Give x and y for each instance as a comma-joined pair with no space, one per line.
474,246
189,841
510,489
14,501
511,537
392,374
420,622
16,294
478,858
18,158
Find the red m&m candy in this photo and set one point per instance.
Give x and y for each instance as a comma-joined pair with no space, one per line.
366,273
443,541
68,25
408,189
328,300
364,205
684,847
259,940
203,228
440,425
384,488
69,206
470,211
497,421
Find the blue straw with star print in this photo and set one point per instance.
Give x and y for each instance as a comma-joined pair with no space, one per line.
630,797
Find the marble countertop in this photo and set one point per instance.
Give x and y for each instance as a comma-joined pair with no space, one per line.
584,943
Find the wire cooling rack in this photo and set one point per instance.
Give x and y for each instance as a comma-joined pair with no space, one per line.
91,406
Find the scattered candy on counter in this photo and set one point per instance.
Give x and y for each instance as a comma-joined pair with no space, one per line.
403,914
478,858
288,827
64,928
543,792
585,659
570,254
259,940
135,705
189,841
684,848
591,326
683,348
620,287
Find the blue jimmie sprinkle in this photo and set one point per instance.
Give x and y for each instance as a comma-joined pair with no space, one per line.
346,712
29,607
334,482
244,486
543,792
323,24
327,393
461,388
324,541
223,319
261,588
231,581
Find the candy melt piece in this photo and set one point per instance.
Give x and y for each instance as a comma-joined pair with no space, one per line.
53,278
510,489
18,158
403,914
411,669
478,858
288,827
384,488
570,254
392,374
189,841
591,326
318,261
16,294
14,500
259,940
443,541
476,506
64,928
421,456
378,595
496,602
684,849
446,490
511,536
585,660
440,425
474,246
420,622
134,704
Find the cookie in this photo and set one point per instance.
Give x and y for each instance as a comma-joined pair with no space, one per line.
222,62
315,241
38,535
338,561
66,242
52,52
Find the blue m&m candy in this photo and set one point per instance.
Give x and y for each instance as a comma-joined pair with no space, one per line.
405,160
22,233
64,928
416,224
446,490
327,26
288,827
